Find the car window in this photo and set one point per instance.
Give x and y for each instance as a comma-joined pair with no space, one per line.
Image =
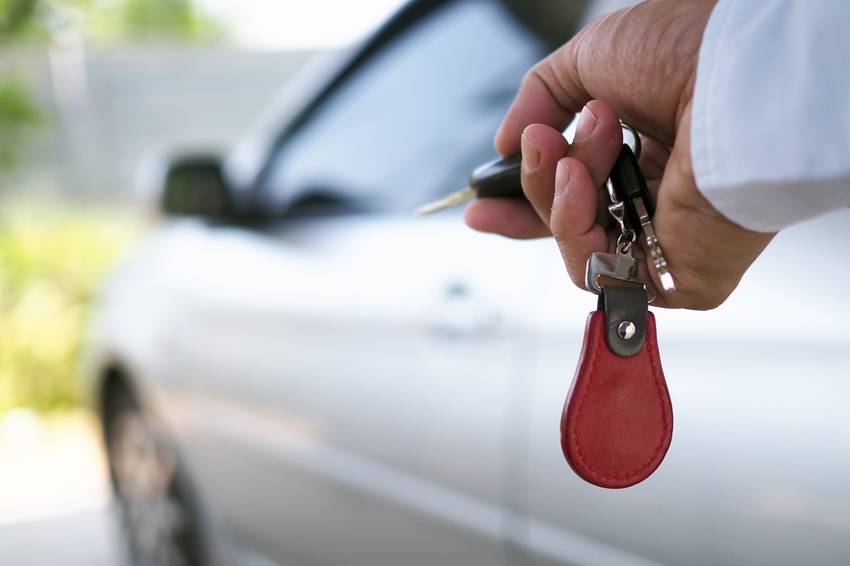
412,122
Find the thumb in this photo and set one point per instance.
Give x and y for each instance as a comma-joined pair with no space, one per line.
706,252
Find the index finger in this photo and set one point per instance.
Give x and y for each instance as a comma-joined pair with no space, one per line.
542,99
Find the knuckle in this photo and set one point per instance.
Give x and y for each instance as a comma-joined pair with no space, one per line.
535,74
558,229
558,75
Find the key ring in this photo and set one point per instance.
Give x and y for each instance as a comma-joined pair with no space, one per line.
626,240
638,145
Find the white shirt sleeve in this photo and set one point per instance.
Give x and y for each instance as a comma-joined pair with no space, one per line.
770,134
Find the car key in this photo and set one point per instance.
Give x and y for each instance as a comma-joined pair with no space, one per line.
501,179
496,179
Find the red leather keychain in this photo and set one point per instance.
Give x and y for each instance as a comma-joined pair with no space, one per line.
617,422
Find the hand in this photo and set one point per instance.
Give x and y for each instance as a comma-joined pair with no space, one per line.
642,62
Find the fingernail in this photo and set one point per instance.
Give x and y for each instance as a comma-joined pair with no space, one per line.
530,155
586,125
563,173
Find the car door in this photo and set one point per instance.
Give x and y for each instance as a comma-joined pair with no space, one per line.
326,425
755,473
348,369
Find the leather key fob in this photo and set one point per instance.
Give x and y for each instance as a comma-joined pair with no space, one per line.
617,421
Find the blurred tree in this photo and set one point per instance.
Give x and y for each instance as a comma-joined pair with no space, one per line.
120,20
102,21
17,108
147,18
17,113
52,258
109,20
112,19
16,16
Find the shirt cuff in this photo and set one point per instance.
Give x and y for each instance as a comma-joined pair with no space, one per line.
769,150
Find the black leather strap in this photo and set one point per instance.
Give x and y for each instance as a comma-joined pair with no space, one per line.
624,304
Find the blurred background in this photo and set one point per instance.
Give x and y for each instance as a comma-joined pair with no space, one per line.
88,90
289,365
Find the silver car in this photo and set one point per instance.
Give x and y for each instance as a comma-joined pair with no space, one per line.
292,369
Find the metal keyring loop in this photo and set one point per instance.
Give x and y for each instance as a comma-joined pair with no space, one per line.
626,240
638,145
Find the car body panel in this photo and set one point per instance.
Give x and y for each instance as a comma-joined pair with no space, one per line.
759,389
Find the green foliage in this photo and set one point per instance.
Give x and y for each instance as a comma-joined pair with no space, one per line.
116,20
159,17
18,112
16,16
51,261
108,20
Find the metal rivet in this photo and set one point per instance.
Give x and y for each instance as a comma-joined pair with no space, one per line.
626,329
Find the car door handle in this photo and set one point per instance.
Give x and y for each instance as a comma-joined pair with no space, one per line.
460,315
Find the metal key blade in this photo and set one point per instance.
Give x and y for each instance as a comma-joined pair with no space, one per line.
454,199
627,184
654,247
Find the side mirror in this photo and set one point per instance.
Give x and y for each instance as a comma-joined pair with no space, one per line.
195,185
